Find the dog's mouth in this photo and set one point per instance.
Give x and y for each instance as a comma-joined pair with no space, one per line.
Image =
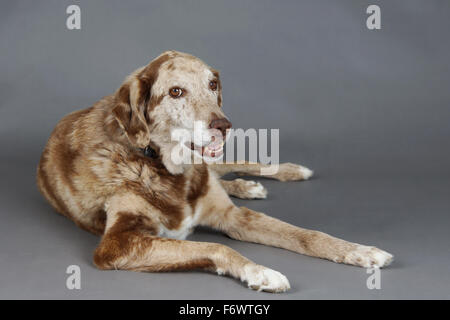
212,150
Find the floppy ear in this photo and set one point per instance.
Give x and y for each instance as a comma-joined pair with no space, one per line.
129,110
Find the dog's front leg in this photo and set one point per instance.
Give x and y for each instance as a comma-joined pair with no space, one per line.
248,225
131,242
220,213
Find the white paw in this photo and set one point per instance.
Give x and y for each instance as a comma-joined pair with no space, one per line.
256,190
245,189
292,172
369,257
264,279
306,173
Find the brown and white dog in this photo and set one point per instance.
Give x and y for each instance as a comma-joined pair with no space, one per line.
109,169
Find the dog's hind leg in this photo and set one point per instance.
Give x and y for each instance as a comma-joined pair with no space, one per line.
281,172
131,242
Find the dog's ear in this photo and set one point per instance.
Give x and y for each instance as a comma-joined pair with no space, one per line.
129,111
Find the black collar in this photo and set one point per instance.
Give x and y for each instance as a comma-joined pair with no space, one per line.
150,152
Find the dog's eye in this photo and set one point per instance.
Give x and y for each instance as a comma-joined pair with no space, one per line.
176,92
213,85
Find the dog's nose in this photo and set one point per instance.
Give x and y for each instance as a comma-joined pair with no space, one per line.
221,124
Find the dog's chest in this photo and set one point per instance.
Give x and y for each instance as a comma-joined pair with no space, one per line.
185,227
196,187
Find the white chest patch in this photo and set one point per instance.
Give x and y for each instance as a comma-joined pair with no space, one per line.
185,229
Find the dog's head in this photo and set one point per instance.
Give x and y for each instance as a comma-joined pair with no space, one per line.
175,93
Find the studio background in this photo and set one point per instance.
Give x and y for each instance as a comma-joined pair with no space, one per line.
367,110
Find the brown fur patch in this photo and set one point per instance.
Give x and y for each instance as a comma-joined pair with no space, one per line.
120,240
147,78
201,264
247,218
144,88
98,223
166,202
219,87
127,117
145,102
123,94
171,66
131,238
214,116
199,185
150,73
47,188
67,157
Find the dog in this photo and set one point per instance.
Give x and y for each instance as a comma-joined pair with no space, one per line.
109,169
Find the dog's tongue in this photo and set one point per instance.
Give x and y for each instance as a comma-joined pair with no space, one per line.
214,149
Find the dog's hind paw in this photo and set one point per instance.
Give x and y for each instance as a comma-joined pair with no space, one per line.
292,172
264,279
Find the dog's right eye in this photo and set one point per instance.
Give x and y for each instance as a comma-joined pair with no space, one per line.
176,92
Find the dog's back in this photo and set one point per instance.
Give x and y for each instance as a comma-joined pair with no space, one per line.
62,160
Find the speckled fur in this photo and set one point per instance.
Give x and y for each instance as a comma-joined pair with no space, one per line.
94,172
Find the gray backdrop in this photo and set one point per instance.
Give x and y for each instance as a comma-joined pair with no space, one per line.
367,110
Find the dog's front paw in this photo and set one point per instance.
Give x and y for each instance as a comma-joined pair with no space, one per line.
264,279
250,189
368,257
292,172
